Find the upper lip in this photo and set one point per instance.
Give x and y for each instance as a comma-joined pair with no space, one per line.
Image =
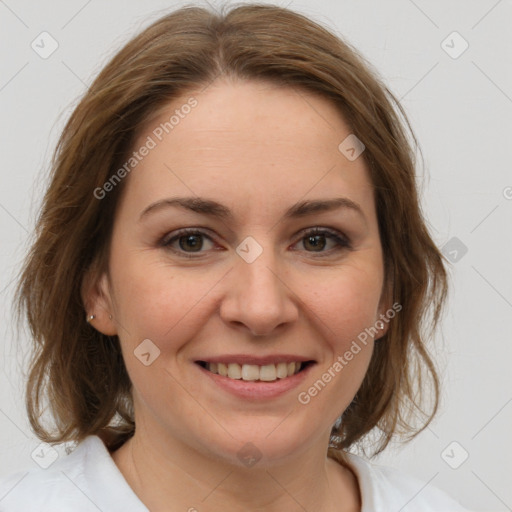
242,359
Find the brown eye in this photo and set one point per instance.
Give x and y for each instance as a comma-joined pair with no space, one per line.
316,242
190,243
193,242
317,239
186,242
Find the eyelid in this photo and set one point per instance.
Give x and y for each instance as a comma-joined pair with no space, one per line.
342,241
324,230
167,239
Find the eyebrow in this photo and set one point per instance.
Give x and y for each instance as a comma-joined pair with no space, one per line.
218,210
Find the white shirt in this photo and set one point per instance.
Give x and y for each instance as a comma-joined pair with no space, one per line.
88,480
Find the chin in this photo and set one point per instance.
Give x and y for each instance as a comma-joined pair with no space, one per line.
264,442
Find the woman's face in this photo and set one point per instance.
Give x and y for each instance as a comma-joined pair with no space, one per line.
251,288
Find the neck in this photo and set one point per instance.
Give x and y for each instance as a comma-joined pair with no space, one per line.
171,475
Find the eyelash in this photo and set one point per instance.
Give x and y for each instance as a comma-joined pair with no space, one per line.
341,241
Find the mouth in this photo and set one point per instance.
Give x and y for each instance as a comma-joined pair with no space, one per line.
269,372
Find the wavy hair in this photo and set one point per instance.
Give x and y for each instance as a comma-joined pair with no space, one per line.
77,372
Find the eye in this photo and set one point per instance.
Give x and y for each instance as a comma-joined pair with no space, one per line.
317,239
189,241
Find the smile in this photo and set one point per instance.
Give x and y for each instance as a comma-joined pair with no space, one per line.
254,372
254,378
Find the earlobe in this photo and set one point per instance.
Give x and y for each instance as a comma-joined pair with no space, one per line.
383,318
382,325
96,296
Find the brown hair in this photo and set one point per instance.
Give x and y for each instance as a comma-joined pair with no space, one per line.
80,372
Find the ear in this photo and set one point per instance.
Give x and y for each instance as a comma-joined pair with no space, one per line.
385,304
97,299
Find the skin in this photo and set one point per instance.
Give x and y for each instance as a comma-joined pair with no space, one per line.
257,148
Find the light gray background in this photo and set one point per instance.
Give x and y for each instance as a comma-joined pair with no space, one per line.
461,111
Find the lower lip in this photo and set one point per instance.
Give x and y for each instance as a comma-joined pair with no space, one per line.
257,390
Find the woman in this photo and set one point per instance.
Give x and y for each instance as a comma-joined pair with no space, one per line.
230,279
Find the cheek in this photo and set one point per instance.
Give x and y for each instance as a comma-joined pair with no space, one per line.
152,298
346,302
168,306
345,306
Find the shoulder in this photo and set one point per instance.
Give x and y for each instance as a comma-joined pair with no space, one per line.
85,480
384,488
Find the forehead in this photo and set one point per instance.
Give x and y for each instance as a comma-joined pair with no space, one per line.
248,142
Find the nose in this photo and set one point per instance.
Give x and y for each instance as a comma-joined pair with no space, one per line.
257,297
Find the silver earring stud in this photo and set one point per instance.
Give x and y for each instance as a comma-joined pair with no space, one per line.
90,318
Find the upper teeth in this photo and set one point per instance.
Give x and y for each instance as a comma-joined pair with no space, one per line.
267,372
